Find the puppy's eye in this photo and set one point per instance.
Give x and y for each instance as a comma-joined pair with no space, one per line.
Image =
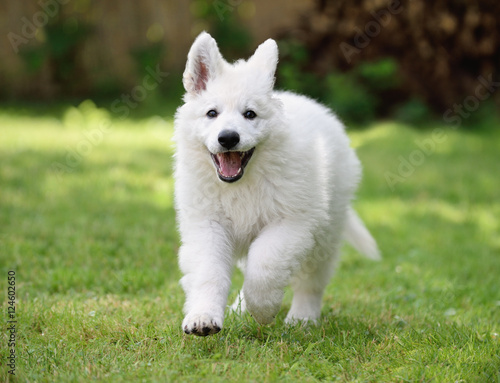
249,115
212,113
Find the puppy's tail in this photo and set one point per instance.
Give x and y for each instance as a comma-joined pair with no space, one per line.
359,237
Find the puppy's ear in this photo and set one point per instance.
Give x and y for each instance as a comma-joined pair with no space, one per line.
204,63
265,58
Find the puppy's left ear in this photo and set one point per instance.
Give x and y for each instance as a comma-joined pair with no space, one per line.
203,64
265,58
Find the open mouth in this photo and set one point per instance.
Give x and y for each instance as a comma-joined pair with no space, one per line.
230,165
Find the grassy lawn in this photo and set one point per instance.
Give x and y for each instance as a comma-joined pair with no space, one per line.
88,226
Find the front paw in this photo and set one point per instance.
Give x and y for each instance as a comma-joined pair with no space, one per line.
201,324
263,316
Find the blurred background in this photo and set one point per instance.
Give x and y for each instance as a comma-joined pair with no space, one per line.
408,60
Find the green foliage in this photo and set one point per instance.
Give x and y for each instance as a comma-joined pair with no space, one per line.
33,58
233,39
220,19
379,75
485,118
289,75
63,36
348,98
94,249
60,51
356,95
293,53
413,111
148,57
305,83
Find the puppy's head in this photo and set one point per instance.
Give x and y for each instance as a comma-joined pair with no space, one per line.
230,106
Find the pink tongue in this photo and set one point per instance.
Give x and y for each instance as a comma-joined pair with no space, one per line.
230,163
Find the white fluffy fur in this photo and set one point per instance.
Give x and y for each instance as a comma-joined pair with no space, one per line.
284,220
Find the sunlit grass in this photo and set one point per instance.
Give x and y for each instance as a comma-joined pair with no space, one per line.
87,222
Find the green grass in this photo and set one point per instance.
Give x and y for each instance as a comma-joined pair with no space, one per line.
94,249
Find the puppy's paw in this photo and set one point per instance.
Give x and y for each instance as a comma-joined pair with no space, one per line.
294,320
263,313
263,306
263,317
305,310
201,324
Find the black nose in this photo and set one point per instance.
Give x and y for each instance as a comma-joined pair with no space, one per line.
229,138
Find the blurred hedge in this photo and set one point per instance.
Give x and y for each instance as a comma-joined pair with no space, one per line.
383,57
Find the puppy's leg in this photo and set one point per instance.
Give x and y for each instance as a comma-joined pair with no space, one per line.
309,284
273,257
205,258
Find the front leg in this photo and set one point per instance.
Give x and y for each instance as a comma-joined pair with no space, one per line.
205,259
272,259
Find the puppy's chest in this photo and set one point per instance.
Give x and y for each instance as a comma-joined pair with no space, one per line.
248,211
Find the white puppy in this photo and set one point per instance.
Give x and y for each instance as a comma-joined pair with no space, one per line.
262,178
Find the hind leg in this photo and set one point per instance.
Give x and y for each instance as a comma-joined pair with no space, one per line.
309,285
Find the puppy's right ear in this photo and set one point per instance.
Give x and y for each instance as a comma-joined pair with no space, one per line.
204,63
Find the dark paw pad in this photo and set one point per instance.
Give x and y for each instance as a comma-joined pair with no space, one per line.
201,326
